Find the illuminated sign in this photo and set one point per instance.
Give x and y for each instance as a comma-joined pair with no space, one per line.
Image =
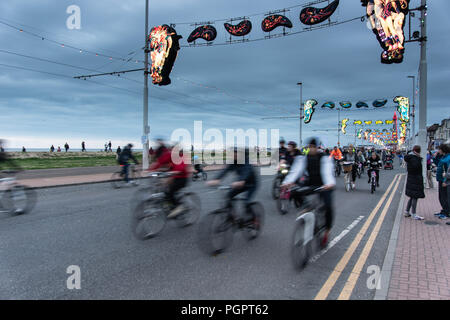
164,46
309,110
357,122
311,15
403,108
329,105
368,122
346,104
239,30
387,19
274,21
207,32
344,125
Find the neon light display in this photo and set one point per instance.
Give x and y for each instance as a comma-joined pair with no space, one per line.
329,105
358,122
346,104
309,110
164,46
387,19
344,125
389,121
368,122
239,30
207,32
403,108
362,104
311,15
379,103
378,122
274,21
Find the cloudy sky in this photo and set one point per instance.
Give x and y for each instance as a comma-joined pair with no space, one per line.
253,80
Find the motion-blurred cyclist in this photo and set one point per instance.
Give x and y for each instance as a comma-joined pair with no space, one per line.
320,174
292,153
125,156
247,179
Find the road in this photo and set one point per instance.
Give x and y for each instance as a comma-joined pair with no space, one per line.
89,226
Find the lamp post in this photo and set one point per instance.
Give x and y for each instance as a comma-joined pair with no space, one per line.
146,129
301,113
413,113
423,86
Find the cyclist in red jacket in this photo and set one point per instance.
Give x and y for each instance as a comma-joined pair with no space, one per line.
174,161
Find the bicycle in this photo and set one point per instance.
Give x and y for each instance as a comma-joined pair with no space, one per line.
373,181
360,170
309,228
348,167
337,168
197,175
150,216
216,229
118,178
282,173
16,199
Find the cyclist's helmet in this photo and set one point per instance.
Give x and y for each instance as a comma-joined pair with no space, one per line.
314,141
282,141
130,145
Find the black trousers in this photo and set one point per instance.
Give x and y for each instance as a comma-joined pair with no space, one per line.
443,199
327,199
412,203
176,185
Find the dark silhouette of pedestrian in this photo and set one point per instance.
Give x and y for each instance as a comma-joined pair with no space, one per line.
110,146
52,149
66,146
414,184
24,150
83,147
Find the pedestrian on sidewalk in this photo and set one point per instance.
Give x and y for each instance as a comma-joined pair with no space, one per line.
59,149
429,168
414,183
442,167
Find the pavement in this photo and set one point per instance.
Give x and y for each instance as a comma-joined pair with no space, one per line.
82,221
421,262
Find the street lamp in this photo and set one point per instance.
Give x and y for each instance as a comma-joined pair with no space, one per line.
301,113
413,125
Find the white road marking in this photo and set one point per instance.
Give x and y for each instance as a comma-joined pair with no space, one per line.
336,240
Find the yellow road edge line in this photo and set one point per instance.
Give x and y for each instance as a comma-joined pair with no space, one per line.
354,275
334,276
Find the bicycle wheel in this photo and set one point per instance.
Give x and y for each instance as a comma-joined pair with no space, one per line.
117,180
283,203
205,176
19,200
253,229
300,252
192,204
215,233
276,188
373,188
148,219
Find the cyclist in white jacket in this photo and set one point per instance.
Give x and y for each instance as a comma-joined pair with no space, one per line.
320,174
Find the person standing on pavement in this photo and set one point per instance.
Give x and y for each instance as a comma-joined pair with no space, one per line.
414,183
442,168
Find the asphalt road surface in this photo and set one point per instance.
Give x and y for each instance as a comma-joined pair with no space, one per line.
89,226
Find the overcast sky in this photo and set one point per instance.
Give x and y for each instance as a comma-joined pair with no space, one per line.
341,63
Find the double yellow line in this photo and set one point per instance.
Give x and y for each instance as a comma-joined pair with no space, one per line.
354,275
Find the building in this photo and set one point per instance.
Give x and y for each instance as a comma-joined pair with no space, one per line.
438,133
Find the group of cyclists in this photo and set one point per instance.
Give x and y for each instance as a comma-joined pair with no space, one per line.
314,161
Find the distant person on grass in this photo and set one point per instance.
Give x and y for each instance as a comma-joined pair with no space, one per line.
66,146
110,146
52,149
83,147
118,151
59,149
24,150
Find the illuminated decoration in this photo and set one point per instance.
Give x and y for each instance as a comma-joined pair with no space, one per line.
206,32
368,122
346,104
358,122
329,105
387,19
379,103
274,21
403,108
378,122
362,104
389,121
360,133
344,125
309,110
239,30
164,46
402,133
311,16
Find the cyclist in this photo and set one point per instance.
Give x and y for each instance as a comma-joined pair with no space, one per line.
5,160
350,157
320,174
124,157
292,153
337,155
197,165
374,164
174,162
282,150
247,178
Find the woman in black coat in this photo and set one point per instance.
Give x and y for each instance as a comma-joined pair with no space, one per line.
414,184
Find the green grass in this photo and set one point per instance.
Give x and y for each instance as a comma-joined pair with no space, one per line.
54,161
